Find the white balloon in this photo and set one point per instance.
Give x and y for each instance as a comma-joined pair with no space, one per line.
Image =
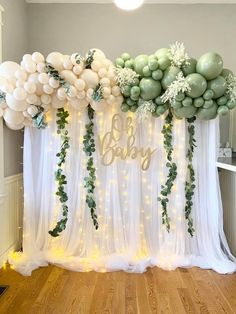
105,82
14,126
32,99
46,99
53,83
90,78
96,65
43,78
8,69
30,87
61,94
111,100
1,112
73,58
72,92
68,76
34,78
20,83
3,105
89,93
8,88
26,114
111,72
41,67
56,60
99,106
48,89
67,64
14,104
32,110
115,90
19,93
21,75
30,66
80,84
57,103
27,58
106,92
77,69
79,104
3,82
102,72
81,95
98,54
38,57
13,117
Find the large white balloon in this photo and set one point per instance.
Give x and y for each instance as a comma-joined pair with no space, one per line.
3,82
56,60
19,93
79,104
90,78
68,76
21,75
57,103
14,104
53,83
30,87
30,66
34,78
32,99
8,69
13,117
38,57
98,55
43,78
15,126
46,99
99,106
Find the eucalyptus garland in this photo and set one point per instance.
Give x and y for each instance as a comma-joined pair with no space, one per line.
172,173
52,72
60,176
89,180
190,182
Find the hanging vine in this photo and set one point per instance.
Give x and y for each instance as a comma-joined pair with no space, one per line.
89,149
172,173
60,176
190,182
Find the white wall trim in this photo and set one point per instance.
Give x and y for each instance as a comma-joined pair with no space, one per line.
146,1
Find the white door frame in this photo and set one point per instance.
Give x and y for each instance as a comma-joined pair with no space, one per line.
1,123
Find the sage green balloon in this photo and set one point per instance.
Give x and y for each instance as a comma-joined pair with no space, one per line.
208,114
190,67
163,52
157,75
208,94
152,64
125,56
120,62
197,84
139,63
124,107
126,90
231,104
164,63
161,109
218,86
186,112
187,101
159,101
198,102
208,103
169,76
134,97
130,102
134,108
222,110
135,82
129,64
150,89
180,96
210,65
222,101
226,72
135,91
146,71
177,105
155,114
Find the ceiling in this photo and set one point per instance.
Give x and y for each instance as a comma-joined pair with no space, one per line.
146,1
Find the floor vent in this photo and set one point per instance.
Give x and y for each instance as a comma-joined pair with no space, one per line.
3,289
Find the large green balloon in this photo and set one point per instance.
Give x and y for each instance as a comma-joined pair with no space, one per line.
231,104
150,88
164,63
185,112
197,84
169,76
139,63
218,86
208,114
163,52
222,110
210,65
226,72
191,67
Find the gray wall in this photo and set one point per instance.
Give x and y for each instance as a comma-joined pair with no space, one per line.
70,28
15,45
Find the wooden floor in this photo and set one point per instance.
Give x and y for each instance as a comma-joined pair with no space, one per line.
55,290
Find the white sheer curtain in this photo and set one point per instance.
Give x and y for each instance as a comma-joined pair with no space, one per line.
131,236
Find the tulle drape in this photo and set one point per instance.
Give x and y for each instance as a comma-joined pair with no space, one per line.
131,236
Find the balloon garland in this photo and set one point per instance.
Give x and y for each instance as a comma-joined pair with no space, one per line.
167,82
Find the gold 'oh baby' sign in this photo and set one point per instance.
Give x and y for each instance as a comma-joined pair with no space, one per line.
123,131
